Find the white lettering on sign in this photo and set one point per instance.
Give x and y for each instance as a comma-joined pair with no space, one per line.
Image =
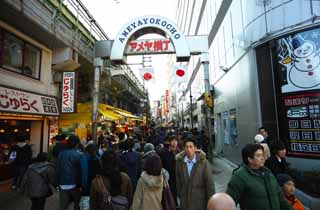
68,92
150,46
12,100
149,22
147,25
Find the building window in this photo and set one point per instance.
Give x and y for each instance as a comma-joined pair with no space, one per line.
18,56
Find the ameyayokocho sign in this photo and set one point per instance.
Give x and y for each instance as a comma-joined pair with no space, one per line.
68,92
150,46
18,101
146,25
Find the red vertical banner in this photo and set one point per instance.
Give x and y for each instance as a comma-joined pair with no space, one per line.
167,102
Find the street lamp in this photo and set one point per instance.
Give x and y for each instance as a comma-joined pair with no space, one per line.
191,111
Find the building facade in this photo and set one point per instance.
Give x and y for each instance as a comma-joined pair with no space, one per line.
263,66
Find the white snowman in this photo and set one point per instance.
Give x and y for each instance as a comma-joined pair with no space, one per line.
304,73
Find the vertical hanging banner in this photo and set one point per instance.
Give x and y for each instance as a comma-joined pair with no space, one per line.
167,102
68,92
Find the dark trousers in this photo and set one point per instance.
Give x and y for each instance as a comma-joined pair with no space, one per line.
38,203
19,171
68,196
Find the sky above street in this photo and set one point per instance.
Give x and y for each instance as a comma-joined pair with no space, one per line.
113,14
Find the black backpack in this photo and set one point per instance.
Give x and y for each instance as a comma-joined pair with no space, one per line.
23,154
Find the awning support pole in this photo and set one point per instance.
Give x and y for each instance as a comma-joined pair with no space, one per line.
95,95
205,63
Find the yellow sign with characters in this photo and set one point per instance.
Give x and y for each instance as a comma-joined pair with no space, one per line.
208,99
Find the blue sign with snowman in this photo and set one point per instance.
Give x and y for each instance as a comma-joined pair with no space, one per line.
299,58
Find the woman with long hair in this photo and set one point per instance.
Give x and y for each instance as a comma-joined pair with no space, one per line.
111,181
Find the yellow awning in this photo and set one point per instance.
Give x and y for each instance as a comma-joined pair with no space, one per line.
125,113
84,115
107,112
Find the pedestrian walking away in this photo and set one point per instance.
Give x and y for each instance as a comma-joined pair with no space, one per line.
111,189
148,194
194,179
38,181
69,175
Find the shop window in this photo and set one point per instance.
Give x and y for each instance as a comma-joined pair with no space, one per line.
11,131
18,56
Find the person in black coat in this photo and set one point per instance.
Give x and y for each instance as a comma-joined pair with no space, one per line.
277,162
132,162
168,157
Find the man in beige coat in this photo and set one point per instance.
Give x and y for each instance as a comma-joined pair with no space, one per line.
194,179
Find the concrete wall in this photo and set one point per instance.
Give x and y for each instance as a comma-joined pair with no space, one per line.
238,90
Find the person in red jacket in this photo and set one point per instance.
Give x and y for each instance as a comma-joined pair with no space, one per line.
286,183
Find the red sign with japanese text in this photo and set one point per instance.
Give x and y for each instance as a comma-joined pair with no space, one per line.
150,46
68,92
167,102
17,101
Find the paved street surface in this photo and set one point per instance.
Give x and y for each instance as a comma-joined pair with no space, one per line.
222,171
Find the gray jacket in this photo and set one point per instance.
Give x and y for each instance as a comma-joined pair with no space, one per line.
38,179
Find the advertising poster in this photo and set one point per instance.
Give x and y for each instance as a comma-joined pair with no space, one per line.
297,76
233,126
298,57
225,127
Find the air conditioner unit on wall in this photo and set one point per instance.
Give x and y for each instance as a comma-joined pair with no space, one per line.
65,59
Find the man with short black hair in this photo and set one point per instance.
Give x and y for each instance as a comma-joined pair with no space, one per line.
277,161
253,186
168,157
194,178
267,139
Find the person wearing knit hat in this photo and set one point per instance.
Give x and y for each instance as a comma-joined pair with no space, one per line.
288,187
259,140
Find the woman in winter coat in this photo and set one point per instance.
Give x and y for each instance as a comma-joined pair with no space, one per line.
117,183
259,140
37,181
148,194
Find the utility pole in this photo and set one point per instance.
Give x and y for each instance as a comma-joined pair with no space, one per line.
205,62
182,116
95,96
191,111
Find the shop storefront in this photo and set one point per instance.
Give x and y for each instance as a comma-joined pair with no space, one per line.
23,116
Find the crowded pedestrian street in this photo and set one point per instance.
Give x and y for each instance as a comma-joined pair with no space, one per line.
160,105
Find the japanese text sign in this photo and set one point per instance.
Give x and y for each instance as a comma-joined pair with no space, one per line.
150,46
12,100
68,92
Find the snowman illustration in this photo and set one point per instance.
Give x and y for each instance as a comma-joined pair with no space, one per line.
303,66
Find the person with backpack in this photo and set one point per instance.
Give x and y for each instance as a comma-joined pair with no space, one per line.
111,189
90,166
21,157
69,175
150,186
37,181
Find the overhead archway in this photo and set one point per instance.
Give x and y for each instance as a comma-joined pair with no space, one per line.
146,25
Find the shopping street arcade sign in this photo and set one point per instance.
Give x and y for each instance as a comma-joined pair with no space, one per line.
127,42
